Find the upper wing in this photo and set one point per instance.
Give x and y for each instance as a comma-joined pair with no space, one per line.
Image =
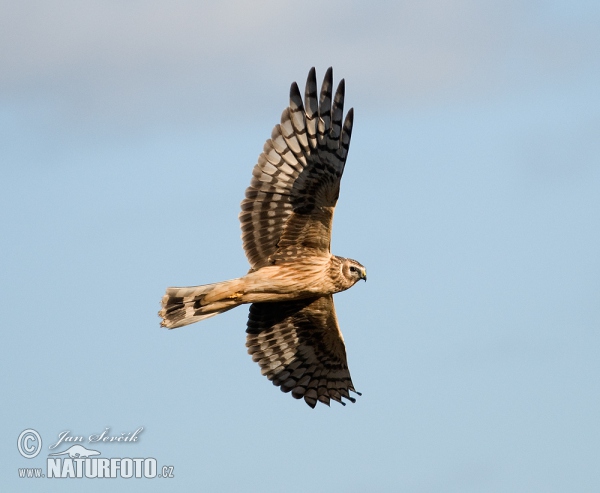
295,185
299,346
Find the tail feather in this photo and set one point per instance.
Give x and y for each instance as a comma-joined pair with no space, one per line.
184,306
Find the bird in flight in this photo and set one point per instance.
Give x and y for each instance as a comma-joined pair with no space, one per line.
286,221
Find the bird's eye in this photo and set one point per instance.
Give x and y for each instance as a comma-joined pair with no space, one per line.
352,269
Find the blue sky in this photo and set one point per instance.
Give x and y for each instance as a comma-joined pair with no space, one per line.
128,132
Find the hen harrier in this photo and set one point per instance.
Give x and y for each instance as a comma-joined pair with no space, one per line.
286,221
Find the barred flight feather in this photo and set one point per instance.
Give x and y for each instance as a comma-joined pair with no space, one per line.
300,348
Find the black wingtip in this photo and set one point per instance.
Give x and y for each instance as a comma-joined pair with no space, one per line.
324,400
294,90
327,81
311,101
295,97
311,79
347,128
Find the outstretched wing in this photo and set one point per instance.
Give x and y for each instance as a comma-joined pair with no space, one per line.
289,204
300,348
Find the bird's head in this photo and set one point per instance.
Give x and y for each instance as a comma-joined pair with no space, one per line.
353,271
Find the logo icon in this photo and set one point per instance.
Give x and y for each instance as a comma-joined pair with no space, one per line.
78,451
26,448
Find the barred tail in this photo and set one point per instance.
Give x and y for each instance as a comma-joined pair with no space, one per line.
184,306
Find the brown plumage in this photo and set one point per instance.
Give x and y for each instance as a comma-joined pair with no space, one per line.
286,222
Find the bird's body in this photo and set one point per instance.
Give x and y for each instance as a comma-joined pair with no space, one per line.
305,277
286,223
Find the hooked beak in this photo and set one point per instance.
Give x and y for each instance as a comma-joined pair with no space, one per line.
363,275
